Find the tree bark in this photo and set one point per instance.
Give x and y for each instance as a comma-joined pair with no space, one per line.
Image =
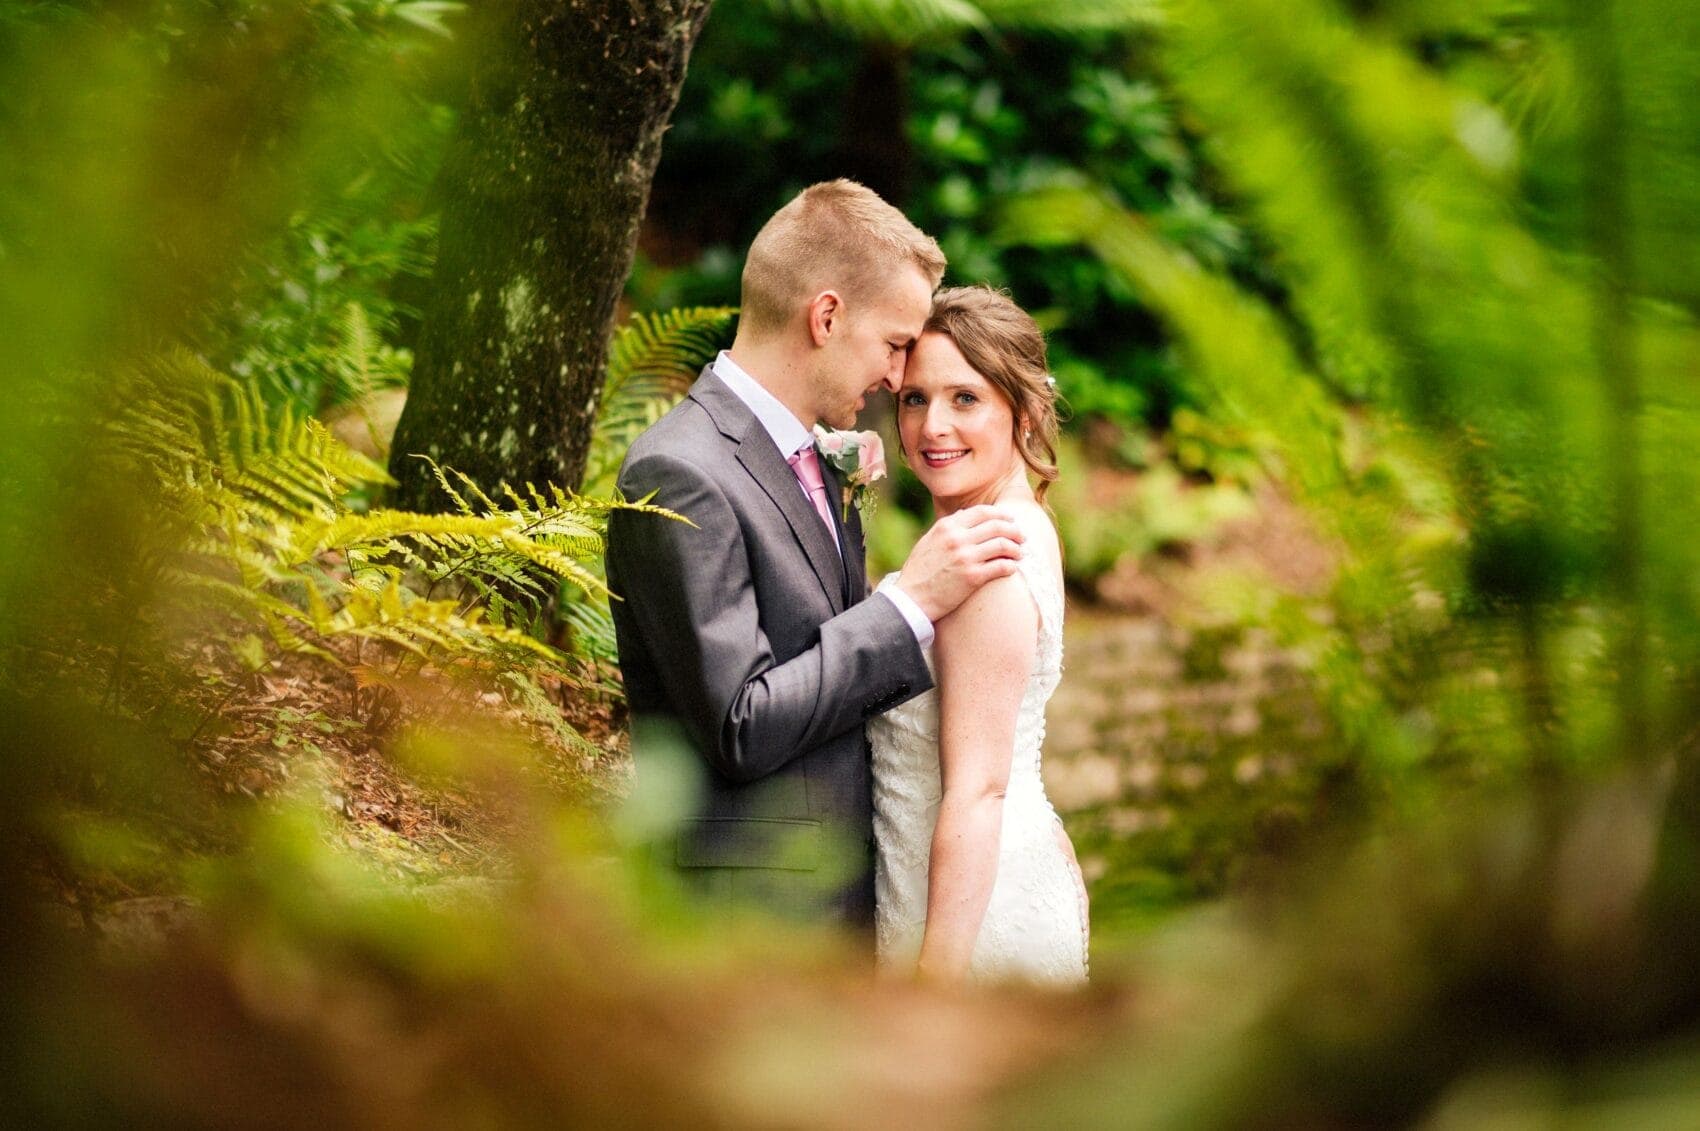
545,185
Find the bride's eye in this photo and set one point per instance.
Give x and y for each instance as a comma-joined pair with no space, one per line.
912,400
967,399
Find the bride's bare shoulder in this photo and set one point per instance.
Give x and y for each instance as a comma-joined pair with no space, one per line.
993,618
992,631
1041,532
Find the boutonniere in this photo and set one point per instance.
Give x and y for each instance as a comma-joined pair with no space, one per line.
859,458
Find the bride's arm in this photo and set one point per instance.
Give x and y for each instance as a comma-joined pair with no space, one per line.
983,654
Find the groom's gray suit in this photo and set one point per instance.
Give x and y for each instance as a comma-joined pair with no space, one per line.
748,640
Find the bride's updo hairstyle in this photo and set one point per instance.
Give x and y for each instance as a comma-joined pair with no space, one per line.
1005,346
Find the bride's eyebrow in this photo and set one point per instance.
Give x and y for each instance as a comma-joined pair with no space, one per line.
956,388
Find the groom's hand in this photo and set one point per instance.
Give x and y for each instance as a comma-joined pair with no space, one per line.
958,555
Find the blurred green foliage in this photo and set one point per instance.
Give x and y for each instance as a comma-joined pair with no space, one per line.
1426,287
1045,98
1159,511
1441,291
322,314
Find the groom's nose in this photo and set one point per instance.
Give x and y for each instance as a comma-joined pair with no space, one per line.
893,379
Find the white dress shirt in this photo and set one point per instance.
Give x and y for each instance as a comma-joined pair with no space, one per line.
790,436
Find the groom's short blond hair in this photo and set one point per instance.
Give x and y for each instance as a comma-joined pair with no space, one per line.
836,235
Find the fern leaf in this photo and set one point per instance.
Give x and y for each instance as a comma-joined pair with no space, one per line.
443,481
915,21
254,520
651,362
667,350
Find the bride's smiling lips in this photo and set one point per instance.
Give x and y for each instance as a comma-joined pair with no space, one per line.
942,457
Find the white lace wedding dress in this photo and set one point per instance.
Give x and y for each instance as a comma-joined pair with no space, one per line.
1035,928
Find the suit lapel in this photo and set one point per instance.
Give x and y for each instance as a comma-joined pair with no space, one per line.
856,560
758,455
851,558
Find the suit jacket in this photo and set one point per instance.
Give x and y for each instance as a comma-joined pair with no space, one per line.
747,641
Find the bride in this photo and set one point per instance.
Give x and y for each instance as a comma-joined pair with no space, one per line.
975,878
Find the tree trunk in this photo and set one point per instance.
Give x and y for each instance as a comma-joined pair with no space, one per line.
875,148
545,185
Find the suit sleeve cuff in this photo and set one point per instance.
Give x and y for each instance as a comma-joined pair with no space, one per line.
918,622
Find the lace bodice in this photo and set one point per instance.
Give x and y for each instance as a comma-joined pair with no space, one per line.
1035,926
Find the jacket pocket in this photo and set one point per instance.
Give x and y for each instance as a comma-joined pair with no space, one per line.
749,842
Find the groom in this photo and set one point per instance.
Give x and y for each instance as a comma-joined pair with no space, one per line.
748,640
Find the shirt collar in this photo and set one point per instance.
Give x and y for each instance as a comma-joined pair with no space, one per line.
781,425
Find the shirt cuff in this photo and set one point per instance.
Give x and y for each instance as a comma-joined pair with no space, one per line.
918,622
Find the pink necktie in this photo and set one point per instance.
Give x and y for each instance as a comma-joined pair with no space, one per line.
807,466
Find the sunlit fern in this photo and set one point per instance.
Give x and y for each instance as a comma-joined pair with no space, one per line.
251,517
428,14
361,361
233,477
914,21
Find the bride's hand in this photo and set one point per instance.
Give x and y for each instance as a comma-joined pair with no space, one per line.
960,553
932,972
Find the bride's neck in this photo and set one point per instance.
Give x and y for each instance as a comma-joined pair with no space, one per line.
1012,488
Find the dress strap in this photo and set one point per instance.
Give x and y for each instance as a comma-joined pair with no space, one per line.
1047,594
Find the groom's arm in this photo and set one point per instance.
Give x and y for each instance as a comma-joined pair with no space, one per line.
689,595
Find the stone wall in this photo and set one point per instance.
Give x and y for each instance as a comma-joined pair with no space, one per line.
1154,726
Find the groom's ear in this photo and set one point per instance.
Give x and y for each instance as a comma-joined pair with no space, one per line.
825,312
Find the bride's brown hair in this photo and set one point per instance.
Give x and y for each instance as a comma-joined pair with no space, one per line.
1006,347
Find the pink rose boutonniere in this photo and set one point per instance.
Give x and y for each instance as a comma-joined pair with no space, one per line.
859,458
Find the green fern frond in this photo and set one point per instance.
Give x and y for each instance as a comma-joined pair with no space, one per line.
358,343
567,522
523,692
430,15
651,362
499,546
1073,16
441,474
889,21
417,625
642,506
592,629
253,519
181,420
354,531
1253,375
915,21
666,351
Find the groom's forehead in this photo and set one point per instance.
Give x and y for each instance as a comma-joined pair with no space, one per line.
900,317
907,293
